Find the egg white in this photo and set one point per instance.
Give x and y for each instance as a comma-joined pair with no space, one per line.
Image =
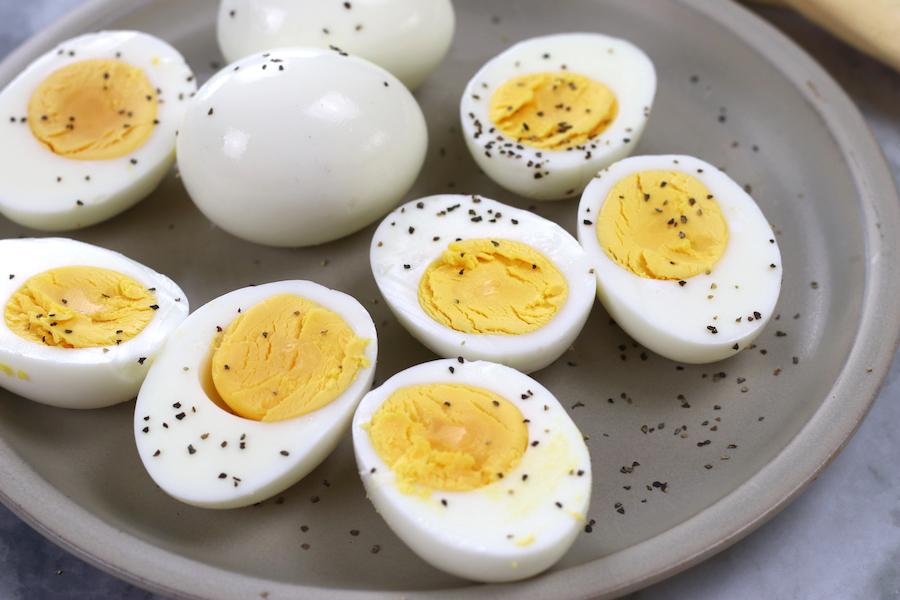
409,38
674,320
46,191
81,377
300,146
258,459
404,246
477,534
555,174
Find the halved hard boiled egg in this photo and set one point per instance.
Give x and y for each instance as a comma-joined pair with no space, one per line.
255,389
82,324
469,276
542,117
686,262
88,129
475,466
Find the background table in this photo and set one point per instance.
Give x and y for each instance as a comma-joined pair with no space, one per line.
840,539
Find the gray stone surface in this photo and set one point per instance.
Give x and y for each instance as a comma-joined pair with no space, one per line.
840,539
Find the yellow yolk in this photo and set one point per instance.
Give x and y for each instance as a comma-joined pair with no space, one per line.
492,286
285,357
93,110
448,437
662,225
80,307
553,111
526,541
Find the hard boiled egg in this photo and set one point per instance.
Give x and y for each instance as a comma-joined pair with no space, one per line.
469,276
409,38
475,466
300,146
82,324
90,128
686,262
293,357
544,116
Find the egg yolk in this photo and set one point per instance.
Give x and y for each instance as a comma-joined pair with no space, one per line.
553,111
9,372
80,307
662,225
448,437
93,110
285,357
492,286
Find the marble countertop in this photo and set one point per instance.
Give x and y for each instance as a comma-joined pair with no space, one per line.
839,539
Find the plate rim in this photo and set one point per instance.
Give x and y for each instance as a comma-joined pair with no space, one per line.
825,434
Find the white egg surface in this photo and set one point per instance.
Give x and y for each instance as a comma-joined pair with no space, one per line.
87,377
300,146
512,528
409,38
561,170
706,317
46,187
419,232
206,456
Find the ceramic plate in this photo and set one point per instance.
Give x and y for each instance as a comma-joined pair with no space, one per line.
732,91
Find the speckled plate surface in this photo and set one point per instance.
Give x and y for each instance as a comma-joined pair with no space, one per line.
732,91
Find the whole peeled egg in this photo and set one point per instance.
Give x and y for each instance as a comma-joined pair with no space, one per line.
469,276
542,117
82,324
475,466
90,128
409,38
300,146
253,391
686,262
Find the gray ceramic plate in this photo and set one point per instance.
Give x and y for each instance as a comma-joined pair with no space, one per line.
732,91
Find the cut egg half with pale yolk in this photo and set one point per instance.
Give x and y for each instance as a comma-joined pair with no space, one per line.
81,324
544,116
409,38
469,276
255,389
686,262
88,129
475,466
